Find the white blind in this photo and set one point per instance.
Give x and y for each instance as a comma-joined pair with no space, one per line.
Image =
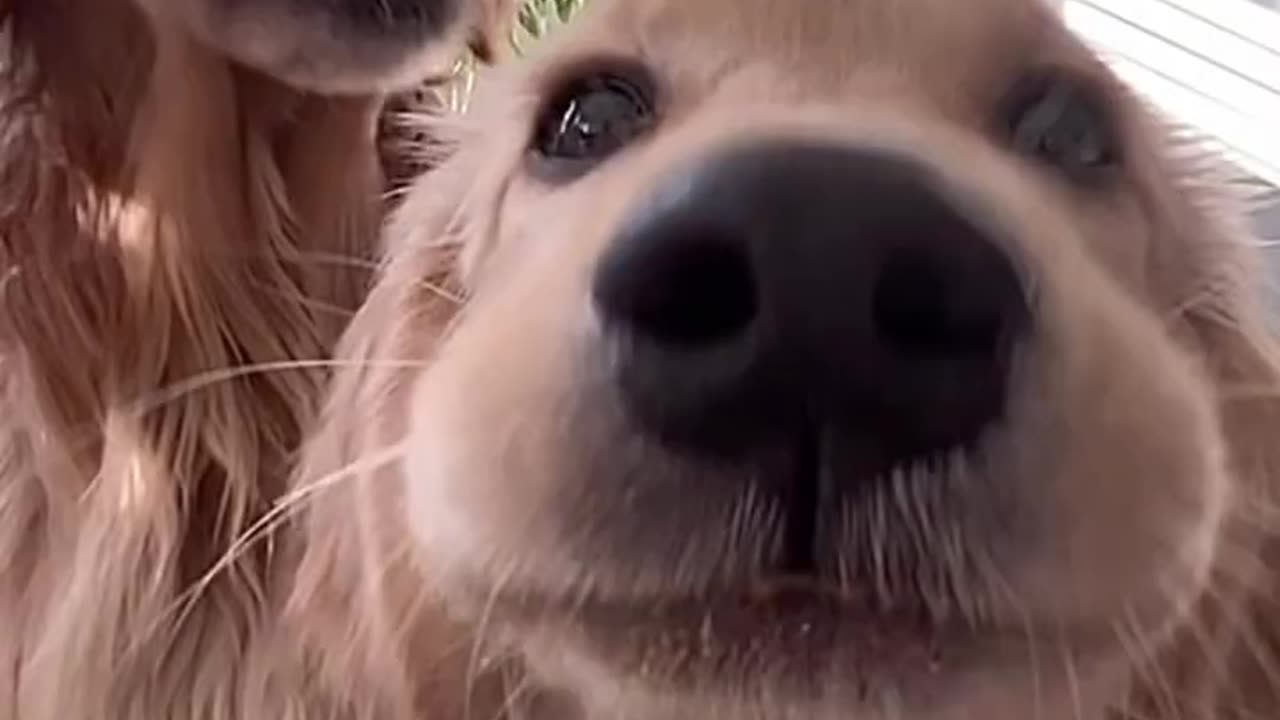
1211,64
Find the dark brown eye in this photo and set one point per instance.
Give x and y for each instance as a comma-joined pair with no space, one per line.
1063,122
593,116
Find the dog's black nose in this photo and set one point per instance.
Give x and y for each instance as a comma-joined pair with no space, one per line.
779,287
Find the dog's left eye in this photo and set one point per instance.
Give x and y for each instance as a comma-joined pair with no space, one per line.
1061,121
591,118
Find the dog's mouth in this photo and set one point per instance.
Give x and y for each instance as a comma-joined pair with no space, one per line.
847,585
808,626
787,634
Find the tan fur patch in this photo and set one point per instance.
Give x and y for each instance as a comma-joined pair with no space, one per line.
480,472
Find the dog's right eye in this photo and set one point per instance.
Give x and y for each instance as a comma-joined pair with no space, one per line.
592,116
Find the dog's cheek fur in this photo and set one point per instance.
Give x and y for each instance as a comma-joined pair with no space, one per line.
1223,661
354,546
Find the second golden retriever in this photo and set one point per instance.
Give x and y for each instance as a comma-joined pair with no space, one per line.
190,199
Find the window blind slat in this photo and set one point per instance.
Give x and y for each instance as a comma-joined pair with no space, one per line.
1248,20
1209,42
1203,71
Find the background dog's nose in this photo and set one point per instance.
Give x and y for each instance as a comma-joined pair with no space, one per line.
782,287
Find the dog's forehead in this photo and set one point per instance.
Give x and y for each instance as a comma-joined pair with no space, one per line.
947,43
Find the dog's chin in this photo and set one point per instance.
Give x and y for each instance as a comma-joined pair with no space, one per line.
327,49
353,63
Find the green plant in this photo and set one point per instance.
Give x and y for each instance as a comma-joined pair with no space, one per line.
539,18
536,20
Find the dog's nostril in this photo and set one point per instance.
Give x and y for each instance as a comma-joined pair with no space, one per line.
916,309
680,292
907,306
919,308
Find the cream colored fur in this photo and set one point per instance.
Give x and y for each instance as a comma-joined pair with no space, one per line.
445,479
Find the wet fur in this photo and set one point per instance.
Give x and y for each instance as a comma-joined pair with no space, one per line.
456,270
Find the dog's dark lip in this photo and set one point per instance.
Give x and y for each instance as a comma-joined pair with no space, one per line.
791,607
797,611
787,634
790,634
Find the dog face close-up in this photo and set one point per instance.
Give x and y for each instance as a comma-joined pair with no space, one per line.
852,359
338,46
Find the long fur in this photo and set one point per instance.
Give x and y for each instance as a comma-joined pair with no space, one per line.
181,242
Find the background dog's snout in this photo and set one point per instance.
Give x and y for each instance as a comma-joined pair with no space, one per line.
787,287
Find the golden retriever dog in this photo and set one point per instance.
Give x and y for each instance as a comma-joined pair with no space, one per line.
786,359
190,200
